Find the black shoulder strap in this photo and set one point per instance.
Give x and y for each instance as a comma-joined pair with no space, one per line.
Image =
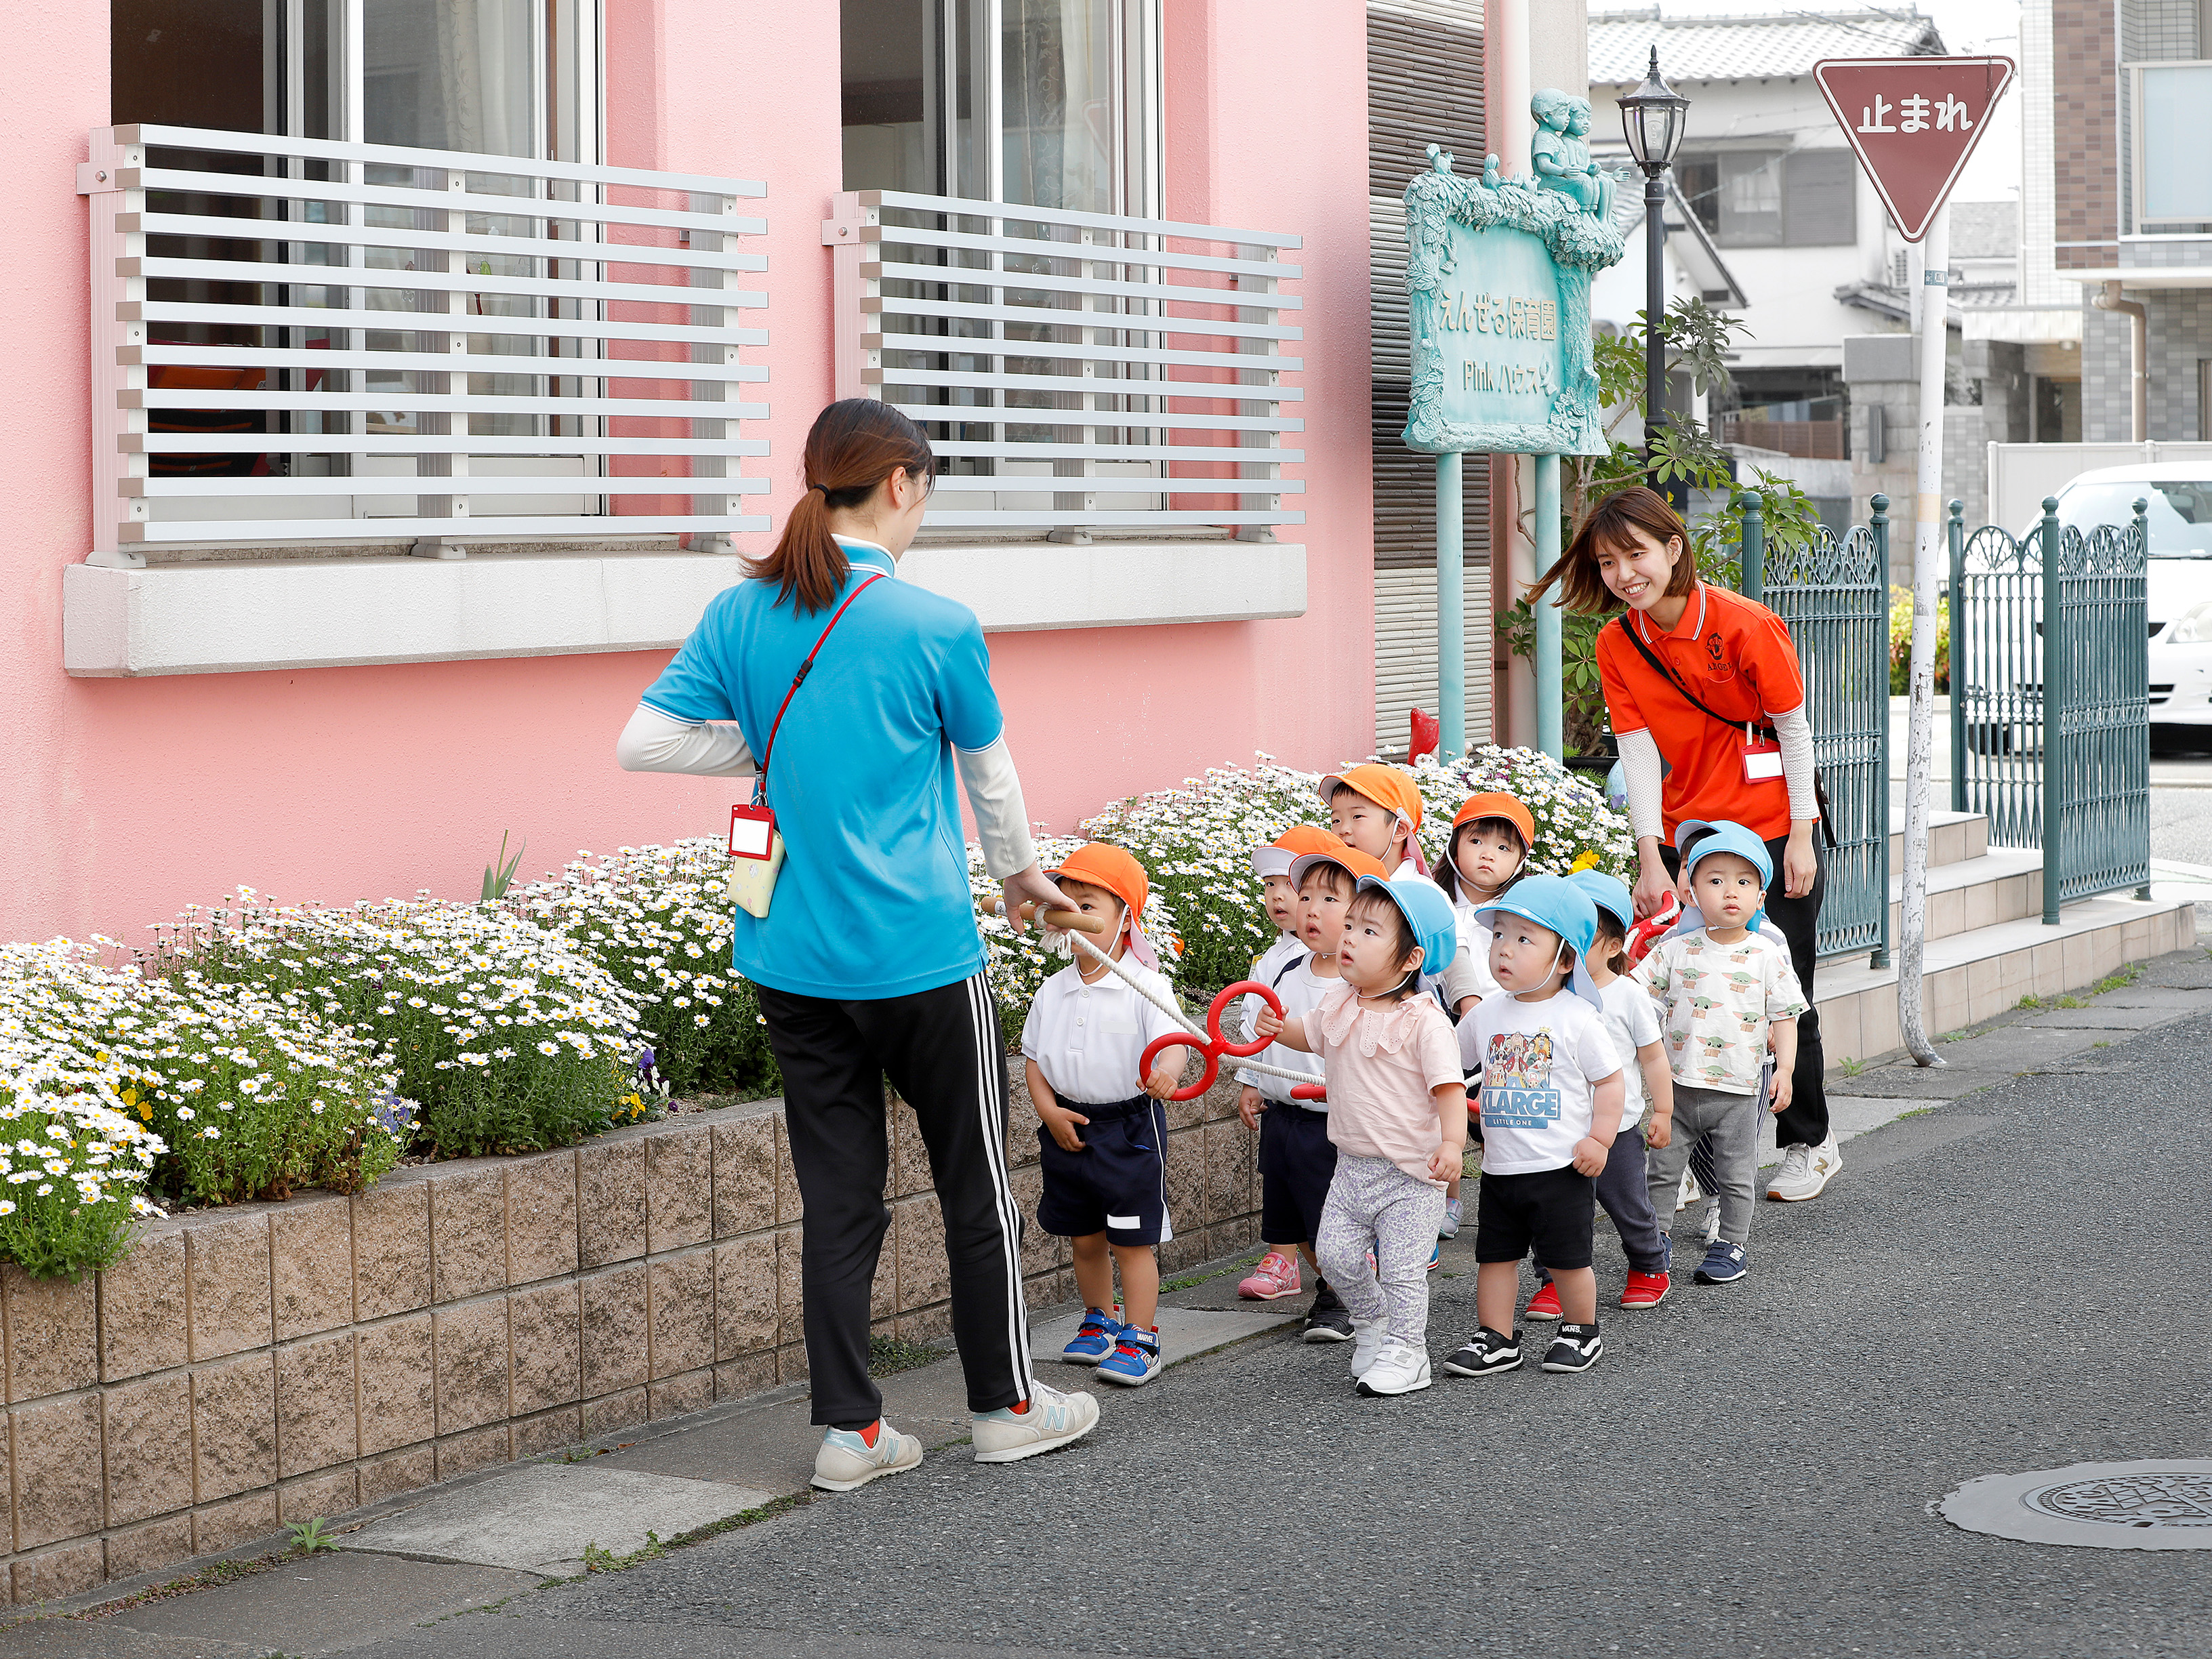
1297,961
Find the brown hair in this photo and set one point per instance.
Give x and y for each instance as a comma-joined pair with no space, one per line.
1333,876
1611,945
856,444
1402,942
1611,527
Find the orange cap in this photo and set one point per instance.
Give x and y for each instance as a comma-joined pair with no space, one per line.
1350,857
1496,805
1111,868
1386,786
1276,857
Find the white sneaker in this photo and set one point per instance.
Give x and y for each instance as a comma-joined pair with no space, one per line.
1366,1343
1400,1368
1804,1170
1691,1193
1052,1419
847,1461
1713,1223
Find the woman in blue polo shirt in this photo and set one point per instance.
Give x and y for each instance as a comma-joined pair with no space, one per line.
868,962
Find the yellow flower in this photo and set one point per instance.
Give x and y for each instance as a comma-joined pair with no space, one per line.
1586,861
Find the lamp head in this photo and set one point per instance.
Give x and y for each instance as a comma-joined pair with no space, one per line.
1652,120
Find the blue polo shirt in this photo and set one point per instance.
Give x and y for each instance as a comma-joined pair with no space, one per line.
873,898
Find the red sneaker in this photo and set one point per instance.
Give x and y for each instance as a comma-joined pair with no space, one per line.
1544,1304
1645,1291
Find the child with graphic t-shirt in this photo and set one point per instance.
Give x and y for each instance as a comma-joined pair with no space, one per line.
1623,1185
1550,1101
1726,994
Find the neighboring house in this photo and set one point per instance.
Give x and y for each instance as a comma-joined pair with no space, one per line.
547,295
1772,185
2130,204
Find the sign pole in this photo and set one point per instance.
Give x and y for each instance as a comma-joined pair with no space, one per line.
1928,548
1451,609
1551,723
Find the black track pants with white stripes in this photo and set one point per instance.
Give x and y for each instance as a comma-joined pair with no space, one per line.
943,1053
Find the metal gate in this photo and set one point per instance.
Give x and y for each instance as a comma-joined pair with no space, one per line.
2050,709
1834,596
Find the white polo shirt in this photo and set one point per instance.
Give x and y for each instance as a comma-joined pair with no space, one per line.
1300,990
1087,1039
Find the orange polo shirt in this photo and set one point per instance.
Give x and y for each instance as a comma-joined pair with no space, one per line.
1737,657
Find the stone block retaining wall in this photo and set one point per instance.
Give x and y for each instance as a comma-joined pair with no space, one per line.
264,1364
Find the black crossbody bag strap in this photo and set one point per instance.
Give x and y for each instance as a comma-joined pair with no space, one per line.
1765,730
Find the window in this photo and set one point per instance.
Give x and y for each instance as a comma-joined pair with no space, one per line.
1774,198
1065,92
2174,126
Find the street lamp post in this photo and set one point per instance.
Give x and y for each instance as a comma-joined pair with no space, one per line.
1652,120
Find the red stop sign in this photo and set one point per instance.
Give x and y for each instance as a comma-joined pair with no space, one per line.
1913,121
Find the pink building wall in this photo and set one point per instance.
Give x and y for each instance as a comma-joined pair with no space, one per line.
124,800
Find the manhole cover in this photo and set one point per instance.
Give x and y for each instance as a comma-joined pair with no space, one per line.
2128,1506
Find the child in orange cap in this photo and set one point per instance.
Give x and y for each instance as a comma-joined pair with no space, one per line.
1101,1134
1272,864
1376,809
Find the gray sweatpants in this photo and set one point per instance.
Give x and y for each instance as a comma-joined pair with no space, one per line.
1373,1204
1729,1126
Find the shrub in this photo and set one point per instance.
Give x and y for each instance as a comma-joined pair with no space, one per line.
655,917
1901,642
510,1039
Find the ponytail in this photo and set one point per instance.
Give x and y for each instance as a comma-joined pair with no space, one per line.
856,443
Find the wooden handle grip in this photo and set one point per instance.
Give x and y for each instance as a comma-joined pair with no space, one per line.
1074,920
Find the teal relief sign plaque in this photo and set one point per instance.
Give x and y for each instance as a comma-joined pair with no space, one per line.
1498,278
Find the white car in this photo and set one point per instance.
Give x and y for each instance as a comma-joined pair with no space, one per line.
2180,587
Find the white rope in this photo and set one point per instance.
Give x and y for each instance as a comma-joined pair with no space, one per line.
1184,1019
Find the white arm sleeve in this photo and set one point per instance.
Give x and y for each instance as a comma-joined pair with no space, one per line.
1639,766
654,742
1794,733
994,795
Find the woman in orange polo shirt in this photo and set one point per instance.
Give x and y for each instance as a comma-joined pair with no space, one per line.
1704,694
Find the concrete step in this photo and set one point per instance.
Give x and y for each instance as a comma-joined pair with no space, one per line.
1978,972
1953,838
2002,884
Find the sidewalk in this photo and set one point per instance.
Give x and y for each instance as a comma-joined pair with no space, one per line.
487,1539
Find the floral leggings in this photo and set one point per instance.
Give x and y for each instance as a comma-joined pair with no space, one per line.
1373,1204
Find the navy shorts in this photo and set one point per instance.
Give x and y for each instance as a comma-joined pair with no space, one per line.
1117,1185
1297,1159
1551,1210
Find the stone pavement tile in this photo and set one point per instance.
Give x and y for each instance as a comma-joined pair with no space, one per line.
1934,1083
2109,1016
321,1604
540,1518
2145,995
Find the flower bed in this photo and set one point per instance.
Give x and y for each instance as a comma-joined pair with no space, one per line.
265,1048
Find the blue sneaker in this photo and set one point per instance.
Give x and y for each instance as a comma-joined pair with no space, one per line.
1095,1339
1135,1360
1436,1254
1724,1264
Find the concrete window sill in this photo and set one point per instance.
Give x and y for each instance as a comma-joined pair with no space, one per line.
225,616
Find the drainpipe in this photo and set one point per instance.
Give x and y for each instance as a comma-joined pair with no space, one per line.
2107,298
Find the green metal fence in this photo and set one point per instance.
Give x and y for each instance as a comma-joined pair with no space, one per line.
2050,711
1834,595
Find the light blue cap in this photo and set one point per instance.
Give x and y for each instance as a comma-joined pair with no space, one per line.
1608,893
1550,901
1427,912
1721,836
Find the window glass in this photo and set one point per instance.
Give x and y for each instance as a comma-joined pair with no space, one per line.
1058,95
449,75
1698,178
2176,134
2180,512
1820,207
887,66
1750,199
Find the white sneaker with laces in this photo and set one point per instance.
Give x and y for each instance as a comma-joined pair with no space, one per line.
1400,1367
1804,1170
1366,1342
1052,1419
847,1461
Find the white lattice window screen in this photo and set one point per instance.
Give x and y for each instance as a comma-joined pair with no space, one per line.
292,336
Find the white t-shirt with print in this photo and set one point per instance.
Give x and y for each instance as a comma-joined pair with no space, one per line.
1632,1020
1716,1002
1087,1039
1540,1064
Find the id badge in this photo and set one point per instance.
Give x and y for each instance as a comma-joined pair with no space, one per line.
1762,760
752,831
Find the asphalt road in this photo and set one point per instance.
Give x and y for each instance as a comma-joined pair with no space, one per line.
2012,1282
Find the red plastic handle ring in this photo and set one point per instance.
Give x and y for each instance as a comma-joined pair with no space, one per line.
1215,1045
